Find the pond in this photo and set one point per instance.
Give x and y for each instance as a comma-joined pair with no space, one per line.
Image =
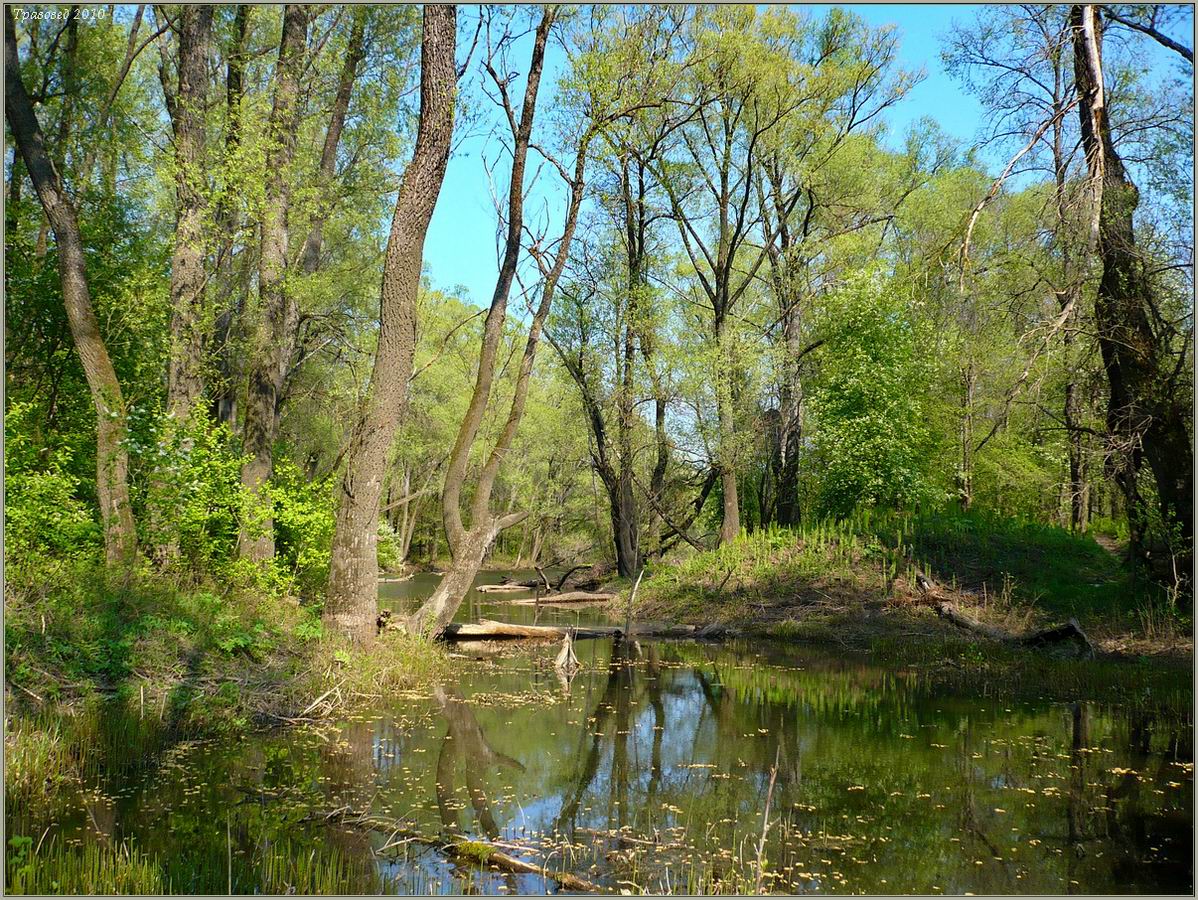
651,770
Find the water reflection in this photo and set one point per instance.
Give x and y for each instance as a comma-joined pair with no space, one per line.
651,773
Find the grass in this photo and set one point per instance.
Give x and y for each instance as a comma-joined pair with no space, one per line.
90,869
103,676
200,658
99,869
853,580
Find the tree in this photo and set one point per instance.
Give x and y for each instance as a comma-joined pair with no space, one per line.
112,459
1146,412
469,545
351,604
186,104
274,333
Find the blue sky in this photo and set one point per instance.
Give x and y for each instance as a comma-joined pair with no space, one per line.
461,246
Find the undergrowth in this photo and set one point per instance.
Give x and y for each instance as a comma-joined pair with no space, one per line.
102,673
1013,572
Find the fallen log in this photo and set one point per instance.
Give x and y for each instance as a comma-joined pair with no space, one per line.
509,587
490,630
567,597
1057,634
459,847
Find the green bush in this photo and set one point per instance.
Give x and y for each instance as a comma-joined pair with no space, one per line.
305,517
44,517
190,491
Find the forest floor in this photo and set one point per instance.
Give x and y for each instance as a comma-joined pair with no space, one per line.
854,584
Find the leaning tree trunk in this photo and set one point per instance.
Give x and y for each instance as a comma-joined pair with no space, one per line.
310,255
112,460
469,547
352,604
1145,404
274,334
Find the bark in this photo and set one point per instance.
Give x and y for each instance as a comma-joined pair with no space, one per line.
353,573
965,479
730,521
1145,405
310,255
274,337
112,462
224,391
185,384
468,548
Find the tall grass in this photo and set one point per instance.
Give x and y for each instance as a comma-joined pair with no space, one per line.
871,553
89,869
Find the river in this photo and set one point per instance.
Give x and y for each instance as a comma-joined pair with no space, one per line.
650,771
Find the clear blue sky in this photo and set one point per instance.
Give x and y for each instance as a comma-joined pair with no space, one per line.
461,246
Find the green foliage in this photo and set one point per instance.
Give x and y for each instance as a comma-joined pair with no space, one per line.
191,494
870,443
304,523
45,519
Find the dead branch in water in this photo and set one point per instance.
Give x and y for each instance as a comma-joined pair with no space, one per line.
459,847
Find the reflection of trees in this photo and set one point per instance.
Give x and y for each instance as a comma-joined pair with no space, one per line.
616,701
465,745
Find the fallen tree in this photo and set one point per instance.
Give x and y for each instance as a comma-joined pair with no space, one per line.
1057,634
490,630
565,598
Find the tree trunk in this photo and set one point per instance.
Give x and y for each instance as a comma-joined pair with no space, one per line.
112,461
224,391
310,255
965,478
730,523
184,383
1145,404
352,602
469,548
790,423
274,337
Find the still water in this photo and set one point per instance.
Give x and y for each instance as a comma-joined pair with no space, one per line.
650,771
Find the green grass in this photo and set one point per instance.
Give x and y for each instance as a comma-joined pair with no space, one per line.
90,869
1033,570
102,676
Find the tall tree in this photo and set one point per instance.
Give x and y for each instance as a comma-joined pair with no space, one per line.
351,604
223,389
187,108
273,336
1147,415
469,545
112,460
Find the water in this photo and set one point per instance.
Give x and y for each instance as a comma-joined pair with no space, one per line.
650,770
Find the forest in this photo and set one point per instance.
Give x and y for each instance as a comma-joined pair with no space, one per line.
724,332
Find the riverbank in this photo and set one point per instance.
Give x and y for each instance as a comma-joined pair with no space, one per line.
202,659
856,584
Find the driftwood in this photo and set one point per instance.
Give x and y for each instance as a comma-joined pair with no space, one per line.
567,661
459,847
567,597
510,587
1070,631
489,630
